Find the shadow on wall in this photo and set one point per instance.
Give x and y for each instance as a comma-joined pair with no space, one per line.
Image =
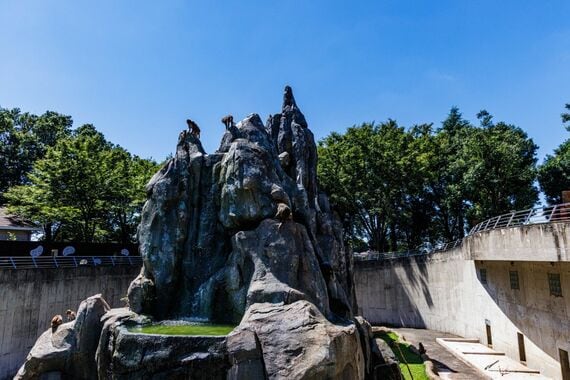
420,282
527,294
384,299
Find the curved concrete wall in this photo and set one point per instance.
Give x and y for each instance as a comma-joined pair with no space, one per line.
534,242
29,298
444,291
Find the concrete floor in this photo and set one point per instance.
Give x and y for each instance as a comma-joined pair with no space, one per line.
493,363
447,364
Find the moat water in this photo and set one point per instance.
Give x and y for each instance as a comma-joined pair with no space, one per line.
183,328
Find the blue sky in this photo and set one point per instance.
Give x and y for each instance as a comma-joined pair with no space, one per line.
138,69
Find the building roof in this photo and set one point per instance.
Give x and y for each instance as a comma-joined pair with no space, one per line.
12,222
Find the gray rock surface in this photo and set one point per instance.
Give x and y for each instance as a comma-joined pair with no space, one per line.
128,356
239,236
294,341
273,263
69,349
200,207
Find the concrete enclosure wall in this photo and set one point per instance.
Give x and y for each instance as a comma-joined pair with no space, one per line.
29,298
444,292
533,242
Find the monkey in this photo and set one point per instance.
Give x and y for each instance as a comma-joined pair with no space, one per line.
56,321
283,214
421,349
193,127
70,315
228,121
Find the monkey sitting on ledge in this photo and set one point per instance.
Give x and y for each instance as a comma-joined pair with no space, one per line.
56,321
70,314
228,121
193,127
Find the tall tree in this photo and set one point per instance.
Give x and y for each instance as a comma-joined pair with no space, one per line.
398,188
447,172
368,172
25,138
501,169
566,115
554,173
83,189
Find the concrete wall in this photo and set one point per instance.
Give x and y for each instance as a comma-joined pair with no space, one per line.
535,242
444,292
30,298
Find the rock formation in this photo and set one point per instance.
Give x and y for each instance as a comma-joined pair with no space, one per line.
242,236
70,348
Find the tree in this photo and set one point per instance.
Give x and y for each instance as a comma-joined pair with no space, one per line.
448,172
25,138
396,189
566,116
369,173
501,170
128,177
554,173
83,189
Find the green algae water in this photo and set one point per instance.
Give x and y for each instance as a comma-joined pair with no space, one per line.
202,329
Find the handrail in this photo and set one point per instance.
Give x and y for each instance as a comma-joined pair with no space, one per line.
60,262
537,215
418,251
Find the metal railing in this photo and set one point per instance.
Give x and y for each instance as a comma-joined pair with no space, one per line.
419,251
538,215
51,262
548,214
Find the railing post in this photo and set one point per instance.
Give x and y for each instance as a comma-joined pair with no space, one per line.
497,222
13,263
74,261
528,216
511,218
55,261
552,213
34,261
112,260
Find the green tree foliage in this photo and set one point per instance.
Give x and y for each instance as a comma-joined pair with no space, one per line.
396,188
25,138
566,115
84,189
372,175
554,173
500,169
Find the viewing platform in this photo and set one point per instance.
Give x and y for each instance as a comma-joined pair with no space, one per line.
539,234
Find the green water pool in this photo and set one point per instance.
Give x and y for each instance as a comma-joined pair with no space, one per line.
184,329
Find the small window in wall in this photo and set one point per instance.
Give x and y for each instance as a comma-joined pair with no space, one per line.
489,334
514,278
483,275
554,284
522,351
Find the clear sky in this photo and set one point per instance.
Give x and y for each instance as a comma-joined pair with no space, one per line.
138,69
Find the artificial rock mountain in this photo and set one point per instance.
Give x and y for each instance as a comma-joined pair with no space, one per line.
239,236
